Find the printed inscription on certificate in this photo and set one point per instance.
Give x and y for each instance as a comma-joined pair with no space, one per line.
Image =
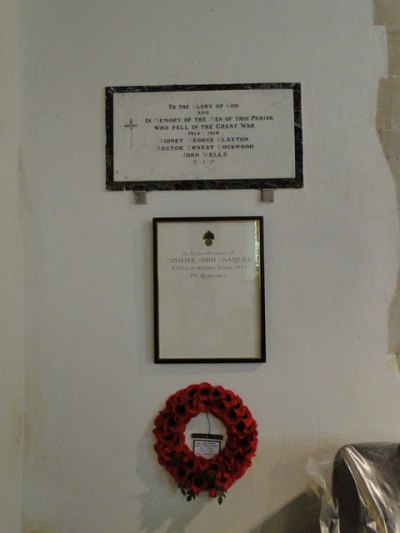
249,133
209,289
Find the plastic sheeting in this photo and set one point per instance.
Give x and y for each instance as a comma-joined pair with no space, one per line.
360,491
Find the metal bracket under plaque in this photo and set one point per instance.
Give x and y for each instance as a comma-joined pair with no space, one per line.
140,197
267,196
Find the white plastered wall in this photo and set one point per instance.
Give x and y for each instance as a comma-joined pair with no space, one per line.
11,279
331,258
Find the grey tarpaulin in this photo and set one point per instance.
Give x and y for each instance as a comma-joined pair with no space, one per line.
360,491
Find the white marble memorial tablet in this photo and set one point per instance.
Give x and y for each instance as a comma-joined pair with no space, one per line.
220,136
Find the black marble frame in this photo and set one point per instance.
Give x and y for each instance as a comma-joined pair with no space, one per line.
154,185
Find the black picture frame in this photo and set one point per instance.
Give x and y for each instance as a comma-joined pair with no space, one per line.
209,302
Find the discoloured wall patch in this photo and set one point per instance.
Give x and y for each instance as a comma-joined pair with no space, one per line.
393,362
387,13
28,527
33,419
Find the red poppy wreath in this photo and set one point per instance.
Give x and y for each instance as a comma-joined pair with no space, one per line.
192,472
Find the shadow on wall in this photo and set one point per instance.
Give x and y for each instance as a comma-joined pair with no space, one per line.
161,504
294,517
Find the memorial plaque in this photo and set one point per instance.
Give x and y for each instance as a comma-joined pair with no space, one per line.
204,137
209,290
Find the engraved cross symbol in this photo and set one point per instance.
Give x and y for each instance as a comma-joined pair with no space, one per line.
130,125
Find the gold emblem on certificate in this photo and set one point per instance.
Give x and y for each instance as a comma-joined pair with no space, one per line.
208,238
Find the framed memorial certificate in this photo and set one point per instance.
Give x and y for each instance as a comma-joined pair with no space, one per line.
209,290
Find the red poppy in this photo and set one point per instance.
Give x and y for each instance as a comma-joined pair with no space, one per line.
193,473
223,481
